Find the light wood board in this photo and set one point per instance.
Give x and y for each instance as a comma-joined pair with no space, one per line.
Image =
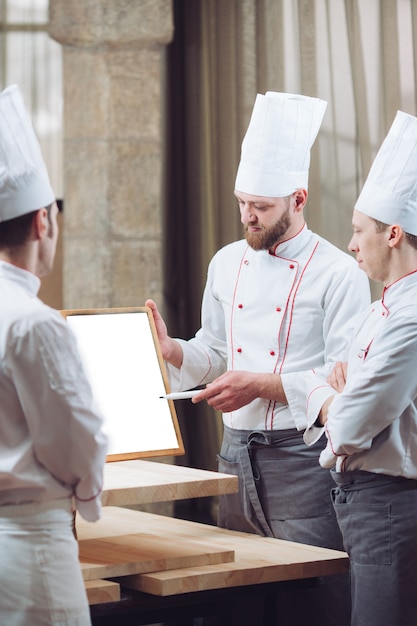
257,559
102,591
140,482
106,557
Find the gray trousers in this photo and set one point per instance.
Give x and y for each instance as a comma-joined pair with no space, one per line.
378,518
284,493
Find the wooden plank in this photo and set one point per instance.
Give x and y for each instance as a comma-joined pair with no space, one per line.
102,591
245,570
257,559
107,557
140,482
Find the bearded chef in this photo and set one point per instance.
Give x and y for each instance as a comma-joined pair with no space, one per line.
277,306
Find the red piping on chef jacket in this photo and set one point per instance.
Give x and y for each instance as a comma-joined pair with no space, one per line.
289,328
291,298
232,350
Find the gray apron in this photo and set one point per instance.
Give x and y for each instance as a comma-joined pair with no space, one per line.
285,493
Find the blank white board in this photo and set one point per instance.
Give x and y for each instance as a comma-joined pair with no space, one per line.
121,355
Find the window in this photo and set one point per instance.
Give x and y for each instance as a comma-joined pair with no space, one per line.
32,60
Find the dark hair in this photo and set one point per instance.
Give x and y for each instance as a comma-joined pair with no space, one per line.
381,226
412,240
15,232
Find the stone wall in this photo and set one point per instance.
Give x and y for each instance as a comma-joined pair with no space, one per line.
113,57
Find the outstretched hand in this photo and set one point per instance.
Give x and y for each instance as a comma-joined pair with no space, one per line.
171,349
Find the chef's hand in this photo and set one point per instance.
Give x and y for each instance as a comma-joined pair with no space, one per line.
322,419
235,389
337,377
171,349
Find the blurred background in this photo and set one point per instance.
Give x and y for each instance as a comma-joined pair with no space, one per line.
141,106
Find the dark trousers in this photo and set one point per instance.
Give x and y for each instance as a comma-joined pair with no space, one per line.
378,518
284,493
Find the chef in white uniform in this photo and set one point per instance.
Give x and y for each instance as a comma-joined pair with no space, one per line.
52,448
277,306
372,423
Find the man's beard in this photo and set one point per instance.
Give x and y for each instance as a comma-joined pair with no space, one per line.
268,238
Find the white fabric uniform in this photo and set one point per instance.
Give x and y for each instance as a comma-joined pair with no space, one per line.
372,439
374,427
288,313
40,575
52,449
58,452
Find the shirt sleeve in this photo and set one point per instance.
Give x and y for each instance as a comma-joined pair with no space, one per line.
205,355
56,398
327,459
379,392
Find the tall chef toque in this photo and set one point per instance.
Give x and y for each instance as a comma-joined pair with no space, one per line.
275,156
390,191
24,181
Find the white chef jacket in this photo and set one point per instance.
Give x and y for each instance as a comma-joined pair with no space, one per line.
372,425
51,441
286,313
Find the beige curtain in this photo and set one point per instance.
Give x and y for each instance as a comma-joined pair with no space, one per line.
356,54
32,60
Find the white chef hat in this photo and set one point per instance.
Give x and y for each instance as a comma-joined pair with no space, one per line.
24,181
390,191
275,156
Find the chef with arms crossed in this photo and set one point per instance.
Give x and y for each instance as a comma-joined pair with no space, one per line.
371,423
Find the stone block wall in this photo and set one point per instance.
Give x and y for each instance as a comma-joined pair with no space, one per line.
113,55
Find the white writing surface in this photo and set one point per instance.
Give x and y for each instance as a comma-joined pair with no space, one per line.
119,351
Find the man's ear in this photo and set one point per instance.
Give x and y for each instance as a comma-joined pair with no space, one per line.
395,233
40,223
300,196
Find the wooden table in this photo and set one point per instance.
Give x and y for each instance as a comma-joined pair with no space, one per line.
256,559
146,566
138,482
141,482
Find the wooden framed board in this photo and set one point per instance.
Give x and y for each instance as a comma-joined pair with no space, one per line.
121,354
